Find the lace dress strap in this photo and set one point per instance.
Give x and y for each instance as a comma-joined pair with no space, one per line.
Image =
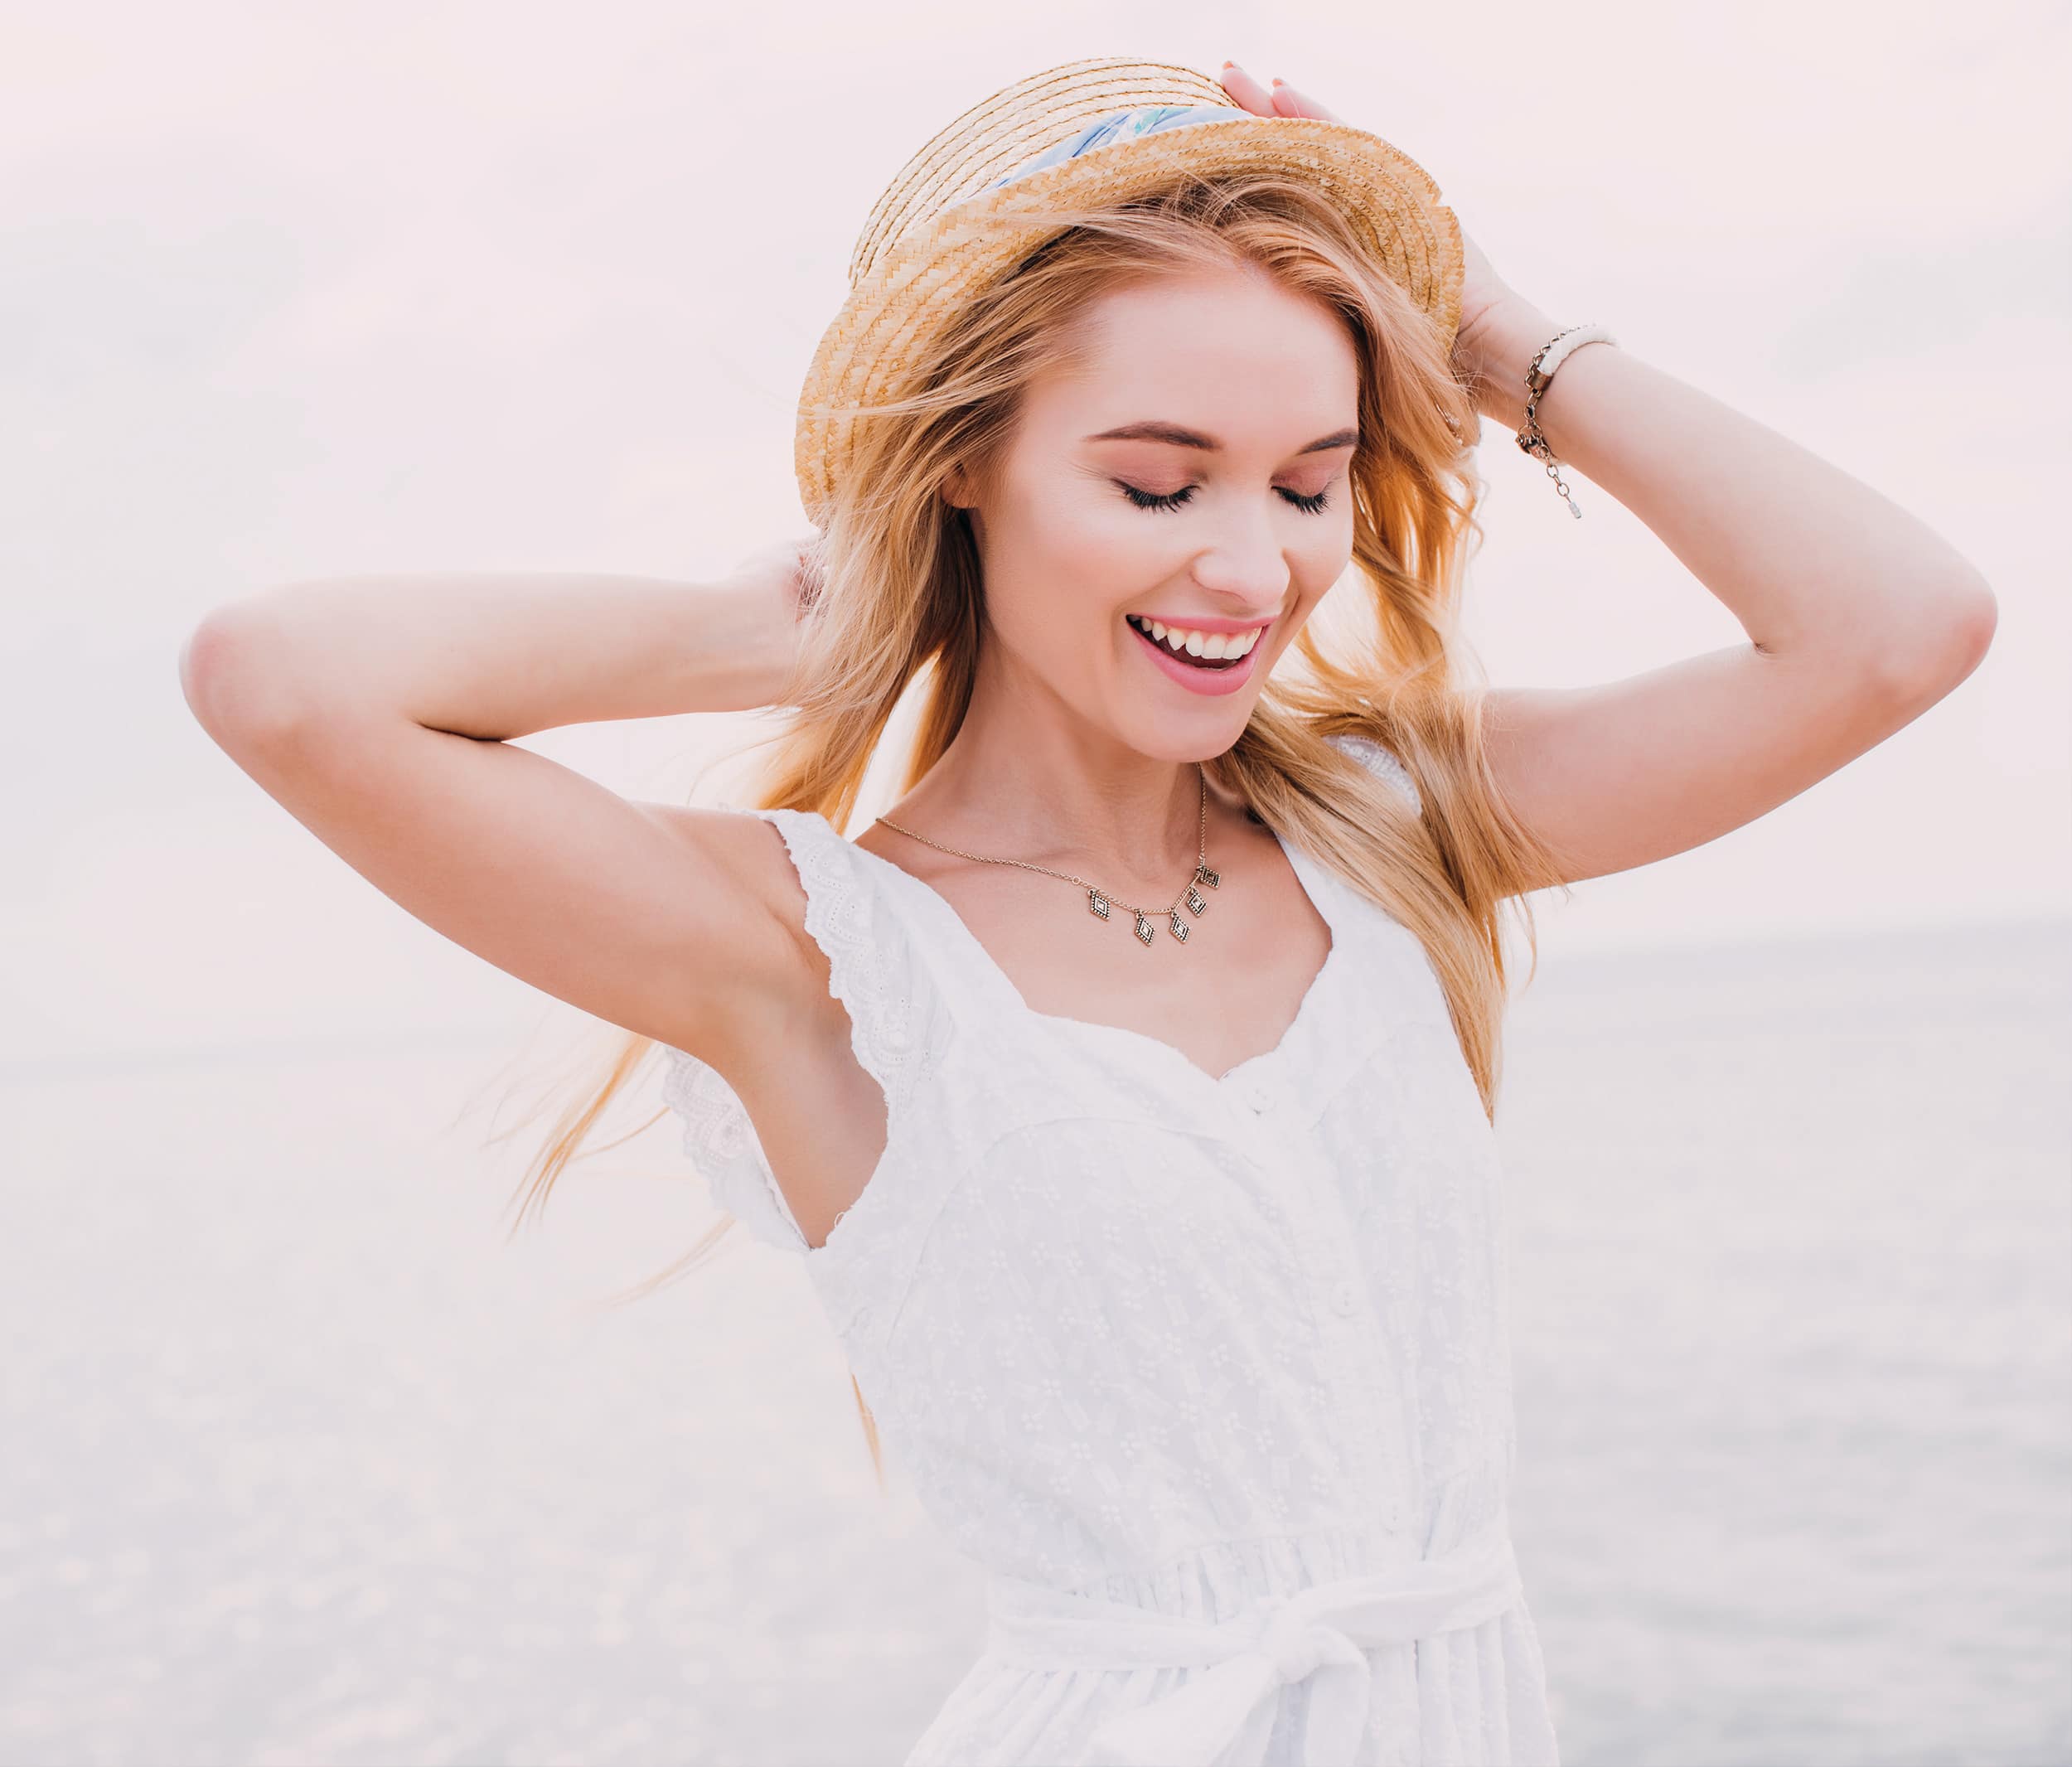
874,972
1382,762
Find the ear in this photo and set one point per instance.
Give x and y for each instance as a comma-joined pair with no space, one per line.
956,488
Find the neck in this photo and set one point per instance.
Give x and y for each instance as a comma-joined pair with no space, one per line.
1053,789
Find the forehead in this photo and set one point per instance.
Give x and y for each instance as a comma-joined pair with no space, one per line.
1225,353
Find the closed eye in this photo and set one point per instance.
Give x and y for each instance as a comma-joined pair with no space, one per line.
1314,505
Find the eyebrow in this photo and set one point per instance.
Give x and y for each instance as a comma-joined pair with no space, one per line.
1178,436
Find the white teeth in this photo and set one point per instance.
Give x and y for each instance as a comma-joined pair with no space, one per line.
1228,646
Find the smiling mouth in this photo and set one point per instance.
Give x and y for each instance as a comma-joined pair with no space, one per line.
1181,654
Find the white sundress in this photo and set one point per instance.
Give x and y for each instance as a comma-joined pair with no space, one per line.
1212,1374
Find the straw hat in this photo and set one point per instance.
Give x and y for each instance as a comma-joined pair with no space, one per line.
1104,129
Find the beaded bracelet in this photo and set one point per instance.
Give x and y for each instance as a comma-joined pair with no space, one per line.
1555,350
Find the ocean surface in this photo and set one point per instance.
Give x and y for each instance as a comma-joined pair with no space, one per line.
309,1459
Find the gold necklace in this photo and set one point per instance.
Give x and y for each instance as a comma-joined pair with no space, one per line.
1099,901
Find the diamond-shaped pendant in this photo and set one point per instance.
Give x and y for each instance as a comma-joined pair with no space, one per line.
1203,874
1144,930
1097,902
1180,926
1196,901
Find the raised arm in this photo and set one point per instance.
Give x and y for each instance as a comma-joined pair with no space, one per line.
376,710
1859,616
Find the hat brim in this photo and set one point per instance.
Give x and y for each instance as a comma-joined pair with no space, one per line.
868,349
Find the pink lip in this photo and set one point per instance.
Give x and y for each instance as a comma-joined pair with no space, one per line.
1209,682
1222,625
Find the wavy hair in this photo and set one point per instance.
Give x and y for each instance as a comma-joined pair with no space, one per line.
893,597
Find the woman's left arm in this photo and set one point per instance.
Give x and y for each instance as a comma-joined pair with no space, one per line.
1859,616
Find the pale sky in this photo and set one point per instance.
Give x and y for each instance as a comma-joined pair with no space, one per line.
290,293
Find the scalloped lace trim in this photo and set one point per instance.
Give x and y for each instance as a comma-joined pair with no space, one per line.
869,974
869,971
722,1143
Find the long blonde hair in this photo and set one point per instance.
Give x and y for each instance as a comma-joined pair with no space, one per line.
894,596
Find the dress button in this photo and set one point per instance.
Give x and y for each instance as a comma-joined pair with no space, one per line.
1344,1300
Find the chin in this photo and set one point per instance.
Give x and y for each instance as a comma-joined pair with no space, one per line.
1184,739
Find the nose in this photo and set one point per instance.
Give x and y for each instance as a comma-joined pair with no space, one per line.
1246,573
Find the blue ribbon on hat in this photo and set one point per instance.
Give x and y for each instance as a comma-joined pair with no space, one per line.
1120,125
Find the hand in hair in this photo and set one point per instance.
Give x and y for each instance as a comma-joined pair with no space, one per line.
782,578
1490,308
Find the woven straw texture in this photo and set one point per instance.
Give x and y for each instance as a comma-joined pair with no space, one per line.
935,237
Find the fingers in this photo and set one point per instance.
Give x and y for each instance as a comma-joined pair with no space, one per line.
1247,91
1280,99
1291,103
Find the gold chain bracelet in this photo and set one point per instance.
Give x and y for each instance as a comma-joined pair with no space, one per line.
1555,350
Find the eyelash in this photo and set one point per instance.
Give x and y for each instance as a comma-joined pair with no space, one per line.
1175,499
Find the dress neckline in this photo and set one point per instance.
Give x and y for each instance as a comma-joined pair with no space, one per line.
1316,883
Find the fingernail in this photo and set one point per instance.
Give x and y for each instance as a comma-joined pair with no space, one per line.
1279,81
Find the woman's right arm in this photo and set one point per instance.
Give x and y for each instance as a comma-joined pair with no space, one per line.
377,712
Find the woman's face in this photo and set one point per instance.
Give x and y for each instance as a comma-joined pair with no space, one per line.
1224,511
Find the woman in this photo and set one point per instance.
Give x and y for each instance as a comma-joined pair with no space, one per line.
1127,1087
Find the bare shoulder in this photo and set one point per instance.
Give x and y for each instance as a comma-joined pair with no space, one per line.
765,980
743,849
781,1040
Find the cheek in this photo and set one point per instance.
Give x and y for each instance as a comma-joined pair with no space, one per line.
1093,529
1079,557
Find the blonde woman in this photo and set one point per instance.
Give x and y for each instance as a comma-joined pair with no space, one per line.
1127,1087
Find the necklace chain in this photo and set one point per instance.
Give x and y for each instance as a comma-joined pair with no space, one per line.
1099,901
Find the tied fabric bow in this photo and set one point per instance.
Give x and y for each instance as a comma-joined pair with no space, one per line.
1119,125
1320,1635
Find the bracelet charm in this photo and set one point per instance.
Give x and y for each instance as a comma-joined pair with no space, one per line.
1553,353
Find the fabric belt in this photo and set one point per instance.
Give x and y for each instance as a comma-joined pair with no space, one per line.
1320,1635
